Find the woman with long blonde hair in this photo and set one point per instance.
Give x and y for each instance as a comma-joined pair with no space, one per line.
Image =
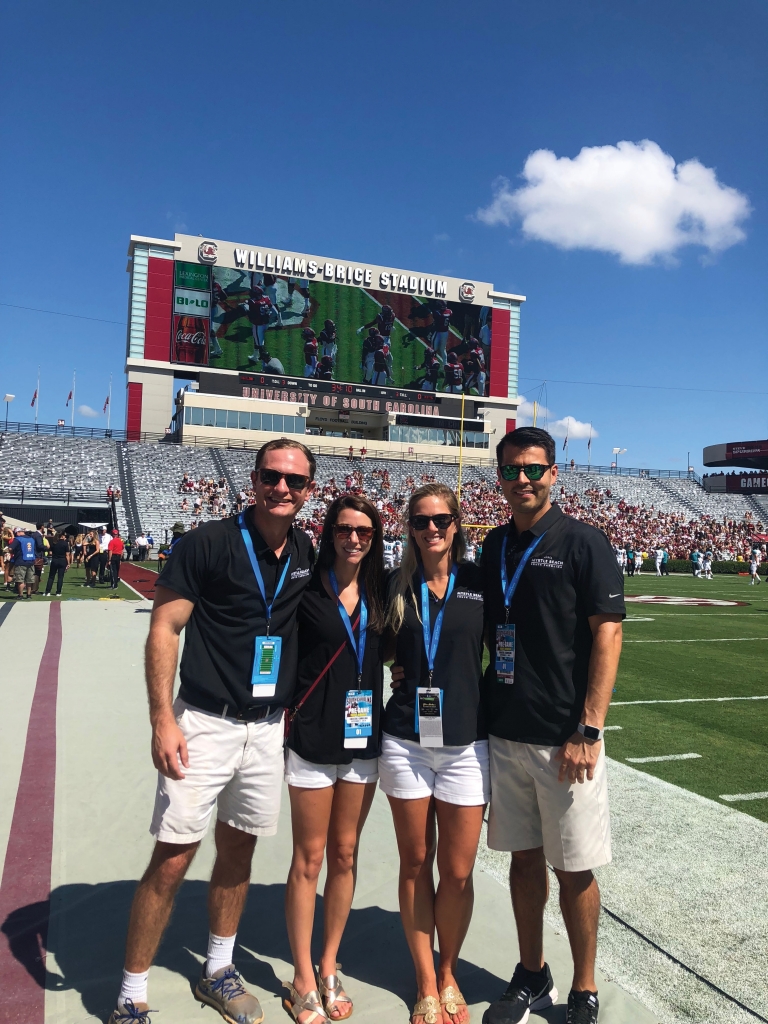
434,757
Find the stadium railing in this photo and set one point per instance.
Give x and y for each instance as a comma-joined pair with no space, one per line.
25,495
469,456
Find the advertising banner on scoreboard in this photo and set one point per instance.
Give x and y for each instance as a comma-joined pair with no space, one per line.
747,483
746,449
329,332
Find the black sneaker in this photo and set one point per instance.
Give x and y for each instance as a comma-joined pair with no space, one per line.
582,1008
525,992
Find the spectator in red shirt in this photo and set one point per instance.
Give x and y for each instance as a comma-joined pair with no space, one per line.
115,549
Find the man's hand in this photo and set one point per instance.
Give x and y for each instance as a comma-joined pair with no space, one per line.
398,675
578,756
169,748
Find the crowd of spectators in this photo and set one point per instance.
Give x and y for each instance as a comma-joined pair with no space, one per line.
204,495
628,526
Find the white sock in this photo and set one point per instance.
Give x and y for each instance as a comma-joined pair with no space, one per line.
134,987
220,953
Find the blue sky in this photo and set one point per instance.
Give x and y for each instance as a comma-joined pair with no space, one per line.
376,133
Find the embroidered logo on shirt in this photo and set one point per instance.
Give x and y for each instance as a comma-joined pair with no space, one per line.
472,595
299,574
547,563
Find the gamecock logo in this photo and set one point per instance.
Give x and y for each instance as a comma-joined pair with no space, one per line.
467,292
208,252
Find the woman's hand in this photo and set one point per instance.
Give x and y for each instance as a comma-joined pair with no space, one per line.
398,675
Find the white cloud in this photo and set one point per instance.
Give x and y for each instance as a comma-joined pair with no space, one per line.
568,426
442,237
630,199
87,411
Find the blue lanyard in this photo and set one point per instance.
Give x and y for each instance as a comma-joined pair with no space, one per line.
510,588
431,641
257,571
358,648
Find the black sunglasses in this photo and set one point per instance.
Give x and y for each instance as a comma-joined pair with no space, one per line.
442,521
344,530
271,477
534,471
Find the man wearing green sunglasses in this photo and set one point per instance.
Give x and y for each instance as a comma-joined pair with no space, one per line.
554,604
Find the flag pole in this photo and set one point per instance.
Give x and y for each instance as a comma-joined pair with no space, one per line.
589,448
37,395
109,401
461,447
74,375
535,410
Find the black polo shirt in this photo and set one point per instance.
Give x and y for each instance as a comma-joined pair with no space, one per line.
458,662
210,566
571,575
317,732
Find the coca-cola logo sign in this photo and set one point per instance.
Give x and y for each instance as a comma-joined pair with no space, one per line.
467,292
208,252
190,337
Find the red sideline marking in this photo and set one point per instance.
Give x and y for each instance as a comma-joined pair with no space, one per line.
140,579
26,884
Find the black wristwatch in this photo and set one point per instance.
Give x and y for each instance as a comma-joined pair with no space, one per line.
589,732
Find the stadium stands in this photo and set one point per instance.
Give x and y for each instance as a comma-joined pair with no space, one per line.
636,510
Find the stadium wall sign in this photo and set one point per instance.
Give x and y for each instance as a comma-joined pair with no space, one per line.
311,267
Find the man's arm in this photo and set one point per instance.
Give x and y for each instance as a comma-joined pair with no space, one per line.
578,755
170,615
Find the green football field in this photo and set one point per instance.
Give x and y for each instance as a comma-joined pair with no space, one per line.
73,589
349,308
705,656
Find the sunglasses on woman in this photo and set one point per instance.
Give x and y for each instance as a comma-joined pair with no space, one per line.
442,521
295,481
534,471
344,531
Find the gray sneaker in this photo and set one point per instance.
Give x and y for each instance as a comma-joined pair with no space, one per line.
226,993
130,1013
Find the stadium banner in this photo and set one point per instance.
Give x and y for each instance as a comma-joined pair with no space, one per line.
746,449
332,395
192,275
190,340
277,312
747,483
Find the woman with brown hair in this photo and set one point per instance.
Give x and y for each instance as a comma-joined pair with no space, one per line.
333,744
434,756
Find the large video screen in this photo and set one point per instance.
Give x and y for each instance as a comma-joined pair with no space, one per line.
318,329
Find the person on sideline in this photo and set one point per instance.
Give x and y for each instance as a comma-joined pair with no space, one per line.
92,556
116,550
235,585
103,563
61,559
754,570
434,754
333,744
554,605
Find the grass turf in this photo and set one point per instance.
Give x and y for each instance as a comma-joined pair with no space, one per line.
732,736
73,589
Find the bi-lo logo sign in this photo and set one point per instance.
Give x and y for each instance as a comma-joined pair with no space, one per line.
196,303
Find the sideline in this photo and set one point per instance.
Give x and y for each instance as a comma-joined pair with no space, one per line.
682,700
26,883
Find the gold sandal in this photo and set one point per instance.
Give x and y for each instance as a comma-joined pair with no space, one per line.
451,999
331,992
297,1004
428,1008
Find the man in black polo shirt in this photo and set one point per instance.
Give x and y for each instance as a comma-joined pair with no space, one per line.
554,605
235,586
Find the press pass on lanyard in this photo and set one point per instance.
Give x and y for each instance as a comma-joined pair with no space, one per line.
358,704
267,649
429,699
505,633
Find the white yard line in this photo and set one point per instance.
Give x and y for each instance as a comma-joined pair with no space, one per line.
143,598
662,757
682,700
733,797
612,728
703,640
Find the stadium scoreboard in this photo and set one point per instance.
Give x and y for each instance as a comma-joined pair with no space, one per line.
260,321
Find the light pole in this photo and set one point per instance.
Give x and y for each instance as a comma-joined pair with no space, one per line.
617,452
7,399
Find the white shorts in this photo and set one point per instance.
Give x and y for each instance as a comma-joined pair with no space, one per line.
306,775
236,765
530,808
455,775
